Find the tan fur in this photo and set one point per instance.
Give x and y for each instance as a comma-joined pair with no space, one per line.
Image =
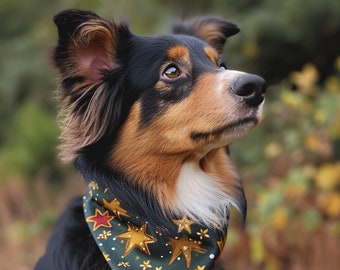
178,52
219,165
153,155
211,34
212,54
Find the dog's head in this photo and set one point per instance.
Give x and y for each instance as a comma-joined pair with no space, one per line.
159,110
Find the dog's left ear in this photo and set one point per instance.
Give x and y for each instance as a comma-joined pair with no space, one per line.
212,30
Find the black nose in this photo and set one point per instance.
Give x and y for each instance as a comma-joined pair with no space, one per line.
250,88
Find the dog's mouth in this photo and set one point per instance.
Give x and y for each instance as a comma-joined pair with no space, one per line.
236,126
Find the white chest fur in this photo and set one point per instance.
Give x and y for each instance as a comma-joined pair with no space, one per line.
200,197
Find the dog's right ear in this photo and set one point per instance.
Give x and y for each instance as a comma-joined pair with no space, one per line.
85,54
212,30
87,45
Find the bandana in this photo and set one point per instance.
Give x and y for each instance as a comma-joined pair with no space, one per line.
126,240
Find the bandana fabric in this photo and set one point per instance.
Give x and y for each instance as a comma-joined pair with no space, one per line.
126,241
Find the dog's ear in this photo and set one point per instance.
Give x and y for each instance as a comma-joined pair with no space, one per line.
212,30
86,46
86,54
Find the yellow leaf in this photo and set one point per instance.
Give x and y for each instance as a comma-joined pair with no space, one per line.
279,218
330,204
258,251
273,150
319,143
332,84
295,191
306,79
290,98
328,176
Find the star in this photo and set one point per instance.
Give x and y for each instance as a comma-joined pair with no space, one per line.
200,267
93,185
159,268
136,238
100,219
104,235
145,264
114,206
183,223
220,244
203,233
107,257
124,264
184,245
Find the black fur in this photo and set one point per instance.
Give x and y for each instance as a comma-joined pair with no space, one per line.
68,242
137,63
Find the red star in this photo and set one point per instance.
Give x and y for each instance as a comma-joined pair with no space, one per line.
100,219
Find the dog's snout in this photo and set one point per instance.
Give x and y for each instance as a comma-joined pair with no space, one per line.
250,88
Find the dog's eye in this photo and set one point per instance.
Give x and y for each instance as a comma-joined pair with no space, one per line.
172,72
223,66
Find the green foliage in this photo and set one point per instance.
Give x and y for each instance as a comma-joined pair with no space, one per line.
30,142
296,175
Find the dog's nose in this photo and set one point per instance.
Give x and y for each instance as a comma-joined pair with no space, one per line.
250,88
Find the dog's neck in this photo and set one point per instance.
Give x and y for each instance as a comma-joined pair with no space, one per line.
170,168
128,239
188,184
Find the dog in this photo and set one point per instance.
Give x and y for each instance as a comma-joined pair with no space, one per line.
147,120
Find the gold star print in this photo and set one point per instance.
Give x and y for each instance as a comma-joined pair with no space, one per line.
159,268
200,267
107,257
136,238
183,223
100,219
184,245
124,264
93,185
145,264
203,233
104,235
114,206
220,244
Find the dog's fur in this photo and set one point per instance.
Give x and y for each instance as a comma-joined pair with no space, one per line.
155,115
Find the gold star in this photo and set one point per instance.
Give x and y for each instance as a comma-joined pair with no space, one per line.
104,235
203,233
107,257
114,206
124,264
184,245
220,244
200,267
145,264
159,268
136,238
93,185
100,219
183,223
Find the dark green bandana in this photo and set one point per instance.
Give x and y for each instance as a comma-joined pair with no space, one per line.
126,240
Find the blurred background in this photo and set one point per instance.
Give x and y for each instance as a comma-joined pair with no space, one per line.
290,162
